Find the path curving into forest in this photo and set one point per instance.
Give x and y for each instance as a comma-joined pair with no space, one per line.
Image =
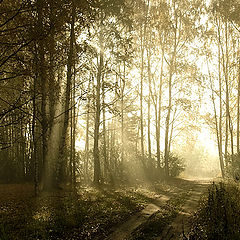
179,225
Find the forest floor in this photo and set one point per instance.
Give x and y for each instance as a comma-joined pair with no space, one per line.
142,211
167,216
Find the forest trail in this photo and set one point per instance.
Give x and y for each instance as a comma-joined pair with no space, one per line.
179,225
123,231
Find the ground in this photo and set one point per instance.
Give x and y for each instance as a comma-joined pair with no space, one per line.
141,211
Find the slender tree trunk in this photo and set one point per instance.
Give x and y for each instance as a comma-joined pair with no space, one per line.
74,118
86,163
43,82
220,114
62,159
166,152
158,114
172,128
52,93
34,143
106,167
238,109
149,105
141,96
171,72
122,111
228,118
216,124
97,170
222,59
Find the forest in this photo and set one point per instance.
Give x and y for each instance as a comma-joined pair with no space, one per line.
119,119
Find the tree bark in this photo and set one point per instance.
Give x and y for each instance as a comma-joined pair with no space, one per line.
97,170
220,114
149,104
238,109
86,163
43,89
62,159
141,97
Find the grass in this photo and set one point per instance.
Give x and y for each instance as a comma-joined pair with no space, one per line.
65,215
88,214
218,216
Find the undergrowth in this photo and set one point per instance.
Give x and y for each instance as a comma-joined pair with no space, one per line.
218,217
68,216
88,214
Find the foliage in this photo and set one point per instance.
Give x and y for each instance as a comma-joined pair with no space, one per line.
219,214
176,165
233,166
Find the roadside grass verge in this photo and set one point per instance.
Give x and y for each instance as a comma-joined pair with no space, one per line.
218,216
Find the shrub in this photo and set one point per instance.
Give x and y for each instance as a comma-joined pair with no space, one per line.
176,165
233,166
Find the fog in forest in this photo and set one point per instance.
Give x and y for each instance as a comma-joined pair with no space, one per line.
124,96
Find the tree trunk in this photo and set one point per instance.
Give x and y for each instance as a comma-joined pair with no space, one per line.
171,72
149,104
97,170
158,115
34,143
220,115
216,124
43,89
86,163
238,109
228,118
141,97
62,159
106,167
74,118
122,112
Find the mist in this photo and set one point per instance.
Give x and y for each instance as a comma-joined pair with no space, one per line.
112,111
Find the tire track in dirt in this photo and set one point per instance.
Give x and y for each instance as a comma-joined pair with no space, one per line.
178,226
123,231
181,224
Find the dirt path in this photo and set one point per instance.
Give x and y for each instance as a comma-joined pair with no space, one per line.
123,231
180,224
